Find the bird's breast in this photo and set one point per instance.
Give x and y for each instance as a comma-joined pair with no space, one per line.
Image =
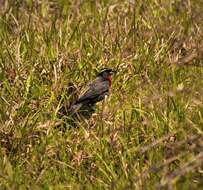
109,80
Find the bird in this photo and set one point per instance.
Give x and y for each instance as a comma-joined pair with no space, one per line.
95,92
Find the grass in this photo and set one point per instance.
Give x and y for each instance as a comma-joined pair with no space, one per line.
146,135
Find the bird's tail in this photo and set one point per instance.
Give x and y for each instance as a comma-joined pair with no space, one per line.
75,107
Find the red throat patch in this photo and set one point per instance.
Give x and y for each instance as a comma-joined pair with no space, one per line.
110,80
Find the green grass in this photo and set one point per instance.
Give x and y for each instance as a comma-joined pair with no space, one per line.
147,135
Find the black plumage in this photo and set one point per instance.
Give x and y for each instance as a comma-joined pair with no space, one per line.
94,92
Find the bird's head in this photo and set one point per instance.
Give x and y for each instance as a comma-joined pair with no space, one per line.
106,73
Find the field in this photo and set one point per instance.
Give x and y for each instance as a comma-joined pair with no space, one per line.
148,134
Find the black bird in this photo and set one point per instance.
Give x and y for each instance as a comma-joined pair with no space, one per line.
94,92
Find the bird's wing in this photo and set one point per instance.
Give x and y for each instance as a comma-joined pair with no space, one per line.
94,89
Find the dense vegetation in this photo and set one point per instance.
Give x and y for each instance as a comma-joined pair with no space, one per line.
147,135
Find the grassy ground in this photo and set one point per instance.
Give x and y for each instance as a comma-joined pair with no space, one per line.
147,135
